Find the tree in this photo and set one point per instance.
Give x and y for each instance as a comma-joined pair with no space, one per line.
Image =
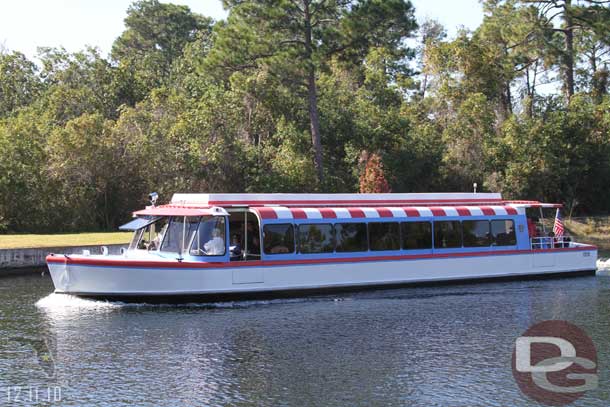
155,36
295,41
80,160
584,16
78,83
24,185
431,32
19,82
372,179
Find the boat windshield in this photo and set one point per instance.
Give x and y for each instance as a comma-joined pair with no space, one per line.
209,238
149,237
202,236
179,231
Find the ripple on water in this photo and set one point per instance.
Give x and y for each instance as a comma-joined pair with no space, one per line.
57,301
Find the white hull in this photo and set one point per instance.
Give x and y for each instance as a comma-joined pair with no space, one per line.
99,280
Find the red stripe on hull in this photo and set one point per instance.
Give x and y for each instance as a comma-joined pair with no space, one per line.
177,264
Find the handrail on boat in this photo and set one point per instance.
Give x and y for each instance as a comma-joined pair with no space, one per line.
550,242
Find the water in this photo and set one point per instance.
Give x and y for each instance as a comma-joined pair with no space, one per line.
424,346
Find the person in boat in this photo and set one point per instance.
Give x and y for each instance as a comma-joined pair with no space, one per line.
552,240
156,242
565,240
531,227
532,230
215,246
254,244
236,250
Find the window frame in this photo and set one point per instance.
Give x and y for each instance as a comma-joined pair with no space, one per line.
298,237
461,234
493,238
263,243
191,242
489,240
389,223
366,237
403,235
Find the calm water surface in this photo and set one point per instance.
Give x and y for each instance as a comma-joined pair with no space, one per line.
432,346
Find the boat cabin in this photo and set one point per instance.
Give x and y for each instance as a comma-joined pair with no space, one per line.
292,227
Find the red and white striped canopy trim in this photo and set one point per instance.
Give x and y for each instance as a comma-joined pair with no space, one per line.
282,212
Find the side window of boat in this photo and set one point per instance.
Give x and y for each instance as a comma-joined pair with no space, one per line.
209,238
476,233
278,239
351,237
503,232
416,235
316,238
384,236
447,234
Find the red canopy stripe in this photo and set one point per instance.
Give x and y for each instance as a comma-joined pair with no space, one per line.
438,211
384,212
356,213
328,213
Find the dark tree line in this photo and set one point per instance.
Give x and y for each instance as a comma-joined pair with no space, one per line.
308,96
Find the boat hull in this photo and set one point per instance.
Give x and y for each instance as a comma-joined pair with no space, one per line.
105,277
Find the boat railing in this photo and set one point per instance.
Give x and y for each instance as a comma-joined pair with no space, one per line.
550,242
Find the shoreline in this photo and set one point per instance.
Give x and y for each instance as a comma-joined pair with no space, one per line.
19,253
20,260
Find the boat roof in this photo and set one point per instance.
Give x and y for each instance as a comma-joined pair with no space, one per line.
336,199
180,210
350,200
343,206
283,212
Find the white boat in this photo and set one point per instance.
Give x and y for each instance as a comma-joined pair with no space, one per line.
211,247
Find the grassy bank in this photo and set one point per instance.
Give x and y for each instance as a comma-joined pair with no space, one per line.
62,240
594,230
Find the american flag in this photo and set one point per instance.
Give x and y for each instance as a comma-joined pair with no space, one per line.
558,226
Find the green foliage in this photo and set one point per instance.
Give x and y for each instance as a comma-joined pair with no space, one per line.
155,37
282,89
19,83
25,190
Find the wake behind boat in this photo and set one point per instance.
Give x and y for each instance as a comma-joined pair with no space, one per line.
214,247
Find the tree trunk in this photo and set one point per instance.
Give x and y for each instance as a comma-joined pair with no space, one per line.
312,96
509,99
424,86
568,62
314,121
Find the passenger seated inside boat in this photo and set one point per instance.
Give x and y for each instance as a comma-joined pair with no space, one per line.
215,246
235,247
209,239
253,247
151,236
